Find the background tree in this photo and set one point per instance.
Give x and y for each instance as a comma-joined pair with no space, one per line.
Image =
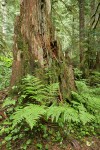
8,10
95,25
81,31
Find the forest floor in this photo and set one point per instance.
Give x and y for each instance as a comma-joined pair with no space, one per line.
88,143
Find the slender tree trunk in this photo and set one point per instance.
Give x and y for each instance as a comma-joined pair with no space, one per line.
73,37
97,65
36,49
4,17
81,31
97,41
91,49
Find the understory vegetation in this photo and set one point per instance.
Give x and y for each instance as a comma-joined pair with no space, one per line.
38,109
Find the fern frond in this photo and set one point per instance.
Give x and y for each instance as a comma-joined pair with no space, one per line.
93,103
88,97
54,112
8,102
86,117
97,118
31,114
69,114
33,88
82,87
52,90
77,97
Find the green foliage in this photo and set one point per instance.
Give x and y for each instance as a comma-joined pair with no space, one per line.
94,79
34,89
69,114
78,74
8,102
82,87
5,71
38,101
86,96
3,44
33,106
31,114
8,11
39,146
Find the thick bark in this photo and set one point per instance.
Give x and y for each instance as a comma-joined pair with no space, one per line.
81,31
36,49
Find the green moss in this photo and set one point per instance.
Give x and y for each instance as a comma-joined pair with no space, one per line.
20,42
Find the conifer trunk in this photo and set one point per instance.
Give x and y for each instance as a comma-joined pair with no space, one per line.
37,50
91,48
81,31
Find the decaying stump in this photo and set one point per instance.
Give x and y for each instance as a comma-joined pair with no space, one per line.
36,48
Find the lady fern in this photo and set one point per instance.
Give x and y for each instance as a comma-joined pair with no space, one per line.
31,114
88,99
69,114
8,102
34,89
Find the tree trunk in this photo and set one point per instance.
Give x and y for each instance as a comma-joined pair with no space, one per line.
93,51
4,17
81,31
91,44
97,65
36,49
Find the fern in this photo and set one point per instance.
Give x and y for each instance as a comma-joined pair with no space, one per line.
32,85
77,97
81,110
95,91
33,88
86,117
31,114
69,114
87,98
8,102
54,112
82,87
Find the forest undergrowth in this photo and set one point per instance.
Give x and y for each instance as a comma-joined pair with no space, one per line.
34,113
